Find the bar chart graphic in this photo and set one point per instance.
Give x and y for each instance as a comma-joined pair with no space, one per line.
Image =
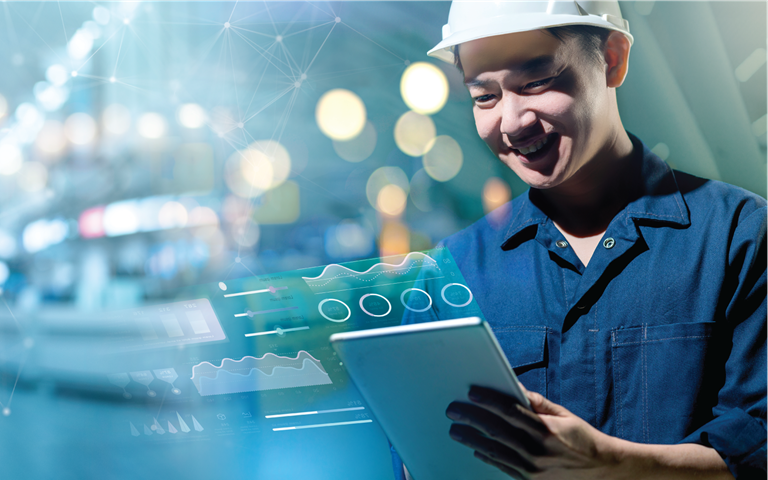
170,324
251,374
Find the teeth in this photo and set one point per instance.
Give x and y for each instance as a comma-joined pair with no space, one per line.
536,146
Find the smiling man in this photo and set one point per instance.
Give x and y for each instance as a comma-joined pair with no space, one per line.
630,298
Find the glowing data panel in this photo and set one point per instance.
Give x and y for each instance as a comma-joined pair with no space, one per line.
251,374
456,295
170,324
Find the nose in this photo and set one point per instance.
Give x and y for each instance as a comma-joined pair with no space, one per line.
517,117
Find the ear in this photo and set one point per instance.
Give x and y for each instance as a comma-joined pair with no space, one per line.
616,59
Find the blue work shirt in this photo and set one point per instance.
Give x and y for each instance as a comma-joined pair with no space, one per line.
662,338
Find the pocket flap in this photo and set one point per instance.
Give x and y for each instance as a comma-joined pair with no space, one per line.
522,345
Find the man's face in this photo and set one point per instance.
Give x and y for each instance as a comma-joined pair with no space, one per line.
540,104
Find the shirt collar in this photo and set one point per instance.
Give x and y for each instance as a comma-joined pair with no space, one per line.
658,199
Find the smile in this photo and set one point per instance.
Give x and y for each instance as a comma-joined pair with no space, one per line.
535,147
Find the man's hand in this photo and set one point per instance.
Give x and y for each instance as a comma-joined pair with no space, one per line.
553,443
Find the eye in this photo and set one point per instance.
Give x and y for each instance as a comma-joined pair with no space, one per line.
484,99
538,84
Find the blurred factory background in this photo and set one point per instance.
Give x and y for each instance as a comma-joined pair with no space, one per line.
147,146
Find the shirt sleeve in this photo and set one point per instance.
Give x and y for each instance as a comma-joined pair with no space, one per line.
738,430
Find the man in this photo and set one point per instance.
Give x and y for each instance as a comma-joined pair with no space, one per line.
630,298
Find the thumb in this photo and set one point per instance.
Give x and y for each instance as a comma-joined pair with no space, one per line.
543,406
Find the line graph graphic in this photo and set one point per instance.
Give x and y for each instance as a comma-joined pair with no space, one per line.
252,374
334,275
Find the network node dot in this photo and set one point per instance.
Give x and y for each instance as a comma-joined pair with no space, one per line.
237,259
303,76
74,73
126,21
407,62
226,25
240,125
297,84
112,79
279,38
6,411
222,285
337,19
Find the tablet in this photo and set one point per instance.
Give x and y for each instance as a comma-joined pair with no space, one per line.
409,374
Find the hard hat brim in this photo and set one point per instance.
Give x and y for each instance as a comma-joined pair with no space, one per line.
494,27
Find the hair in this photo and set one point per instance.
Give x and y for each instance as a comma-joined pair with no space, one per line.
591,39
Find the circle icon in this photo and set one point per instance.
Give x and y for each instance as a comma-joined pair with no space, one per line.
456,295
176,391
375,305
334,310
416,300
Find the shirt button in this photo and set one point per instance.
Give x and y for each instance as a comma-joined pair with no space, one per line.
609,242
561,243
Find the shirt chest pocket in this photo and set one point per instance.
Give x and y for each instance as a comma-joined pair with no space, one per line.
659,380
526,350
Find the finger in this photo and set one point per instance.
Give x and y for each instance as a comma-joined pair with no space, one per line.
504,468
543,406
496,428
510,409
472,438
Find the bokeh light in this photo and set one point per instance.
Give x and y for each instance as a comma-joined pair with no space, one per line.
391,200
151,125
191,115
340,114
496,193
101,15
264,165
443,159
358,148
30,120
394,239
382,177
32,177
51,140
116,119
172,215
414,133
420,190
349,239
8,245
10,158
91,223
80,128
424,88
57,75
80,44
50,97
121,218
246,232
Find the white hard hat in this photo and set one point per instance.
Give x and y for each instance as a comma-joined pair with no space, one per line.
469,19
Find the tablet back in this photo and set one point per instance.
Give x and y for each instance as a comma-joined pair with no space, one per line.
409,374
